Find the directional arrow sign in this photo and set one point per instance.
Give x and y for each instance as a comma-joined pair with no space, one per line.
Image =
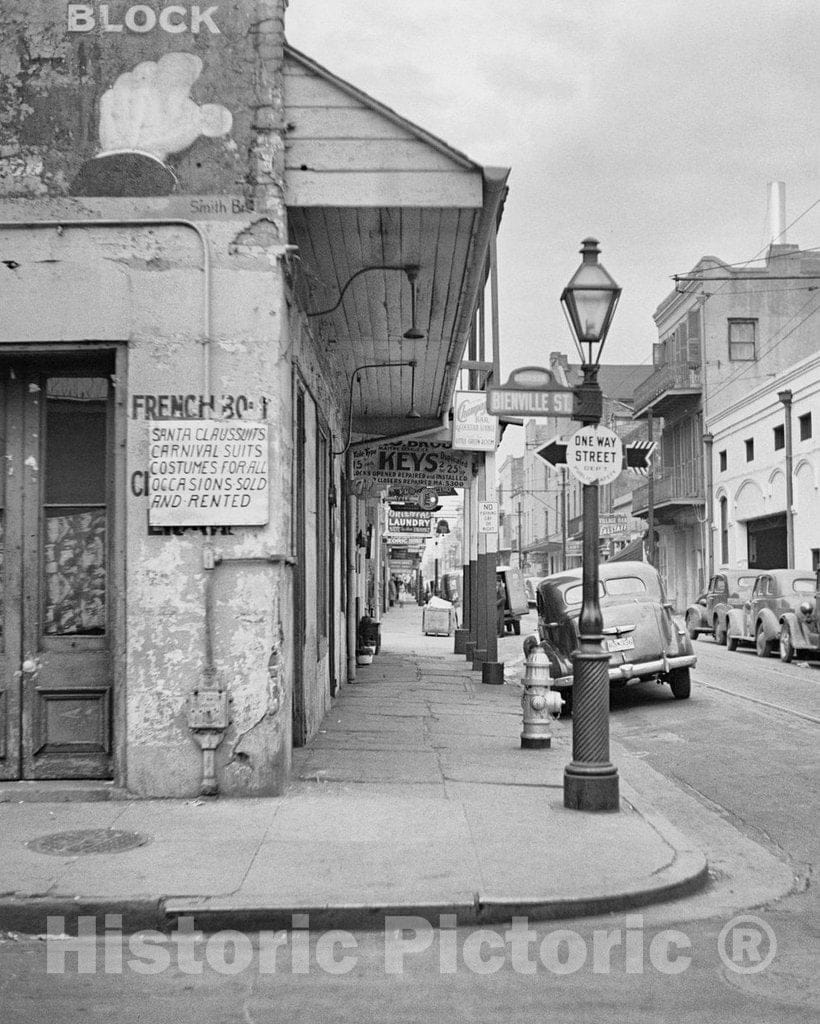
637,456
554,453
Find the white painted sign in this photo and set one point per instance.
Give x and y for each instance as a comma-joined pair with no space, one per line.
595,455
175,19
474,429
488,517
208,473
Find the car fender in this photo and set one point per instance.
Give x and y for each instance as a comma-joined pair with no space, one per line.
735,622
697,610
720,613
800,636
768,622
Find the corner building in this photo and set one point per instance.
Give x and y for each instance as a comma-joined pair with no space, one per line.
221,267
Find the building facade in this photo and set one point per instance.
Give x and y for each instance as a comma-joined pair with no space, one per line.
730,340
223,272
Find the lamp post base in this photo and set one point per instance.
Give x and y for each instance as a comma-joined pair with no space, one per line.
591,787
492,672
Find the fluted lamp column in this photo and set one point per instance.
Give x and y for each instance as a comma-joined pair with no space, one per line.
590,780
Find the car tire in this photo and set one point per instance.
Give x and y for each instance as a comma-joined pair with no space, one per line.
786,646
691,629
517,627
680,683
719,634
567,698
731,641
763,646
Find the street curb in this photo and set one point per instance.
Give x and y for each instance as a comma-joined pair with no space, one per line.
688,873
30,915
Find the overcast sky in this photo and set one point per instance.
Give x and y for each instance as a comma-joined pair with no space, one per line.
653,125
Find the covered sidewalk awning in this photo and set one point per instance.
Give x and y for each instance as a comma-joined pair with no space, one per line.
393,229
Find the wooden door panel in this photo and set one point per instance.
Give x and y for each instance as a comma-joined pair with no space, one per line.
56,496
67,702
11,481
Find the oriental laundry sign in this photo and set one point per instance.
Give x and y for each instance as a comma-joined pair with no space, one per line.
408,521
411,463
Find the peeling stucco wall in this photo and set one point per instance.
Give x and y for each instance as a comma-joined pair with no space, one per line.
201,310
167,586
58,58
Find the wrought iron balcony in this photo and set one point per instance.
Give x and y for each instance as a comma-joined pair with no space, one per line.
669,386
670,491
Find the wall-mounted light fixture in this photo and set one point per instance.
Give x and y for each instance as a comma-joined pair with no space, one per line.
414,332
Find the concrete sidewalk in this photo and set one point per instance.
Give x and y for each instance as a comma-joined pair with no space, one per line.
414,797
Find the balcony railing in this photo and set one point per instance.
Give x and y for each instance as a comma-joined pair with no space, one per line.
683,487
672,376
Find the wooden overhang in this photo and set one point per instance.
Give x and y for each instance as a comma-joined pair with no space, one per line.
370,197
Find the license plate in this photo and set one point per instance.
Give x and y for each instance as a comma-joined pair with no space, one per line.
620,643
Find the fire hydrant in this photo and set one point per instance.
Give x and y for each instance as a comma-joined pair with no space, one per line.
538,700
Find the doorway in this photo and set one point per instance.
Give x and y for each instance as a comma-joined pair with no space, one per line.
766,538
56,544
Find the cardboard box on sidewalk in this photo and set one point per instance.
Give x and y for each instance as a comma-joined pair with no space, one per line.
437,621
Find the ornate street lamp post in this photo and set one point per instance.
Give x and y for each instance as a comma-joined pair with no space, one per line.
590,780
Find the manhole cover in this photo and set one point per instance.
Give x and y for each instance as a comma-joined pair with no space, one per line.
87,840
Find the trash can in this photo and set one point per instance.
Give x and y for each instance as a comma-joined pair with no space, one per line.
370,633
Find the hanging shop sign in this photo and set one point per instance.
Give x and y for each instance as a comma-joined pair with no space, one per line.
474,429
408,521
421,464
208,473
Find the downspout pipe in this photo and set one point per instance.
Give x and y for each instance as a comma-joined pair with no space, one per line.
785,398
708,444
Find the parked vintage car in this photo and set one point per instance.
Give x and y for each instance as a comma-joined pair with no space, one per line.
800,629
775,593
643,639
709,613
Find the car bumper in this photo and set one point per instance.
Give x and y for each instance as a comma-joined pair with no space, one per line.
622,673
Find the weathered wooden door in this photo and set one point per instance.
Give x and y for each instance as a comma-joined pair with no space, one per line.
55,495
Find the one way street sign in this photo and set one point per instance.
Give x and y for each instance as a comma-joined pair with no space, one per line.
636,455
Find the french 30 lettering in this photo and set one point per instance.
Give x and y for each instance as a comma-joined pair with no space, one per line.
163,407
174,19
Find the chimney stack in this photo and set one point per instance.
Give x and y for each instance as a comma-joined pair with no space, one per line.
777,212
